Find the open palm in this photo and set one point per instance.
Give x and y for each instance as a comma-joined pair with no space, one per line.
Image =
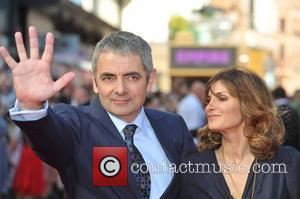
32,79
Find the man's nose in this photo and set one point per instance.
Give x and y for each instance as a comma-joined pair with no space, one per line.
120,87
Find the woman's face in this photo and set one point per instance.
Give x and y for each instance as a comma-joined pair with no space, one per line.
223,110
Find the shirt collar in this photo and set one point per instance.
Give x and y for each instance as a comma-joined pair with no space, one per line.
140,121
281,101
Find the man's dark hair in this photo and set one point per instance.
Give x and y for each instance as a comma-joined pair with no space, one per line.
279,92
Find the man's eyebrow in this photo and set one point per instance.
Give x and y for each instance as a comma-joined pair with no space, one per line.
133,73
105,74
108,74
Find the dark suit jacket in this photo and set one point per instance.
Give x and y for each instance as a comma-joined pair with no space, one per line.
291,124
65,138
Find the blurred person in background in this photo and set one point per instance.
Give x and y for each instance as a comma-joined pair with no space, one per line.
168,102
289,117
30,180
55,187
7,94
180,88
191,109
296,102
65,135
241,144
80,96
86,79
4,172
15,147
161,101
152,101
65,96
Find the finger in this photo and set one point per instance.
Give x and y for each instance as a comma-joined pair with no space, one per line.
63,81
7,58
20,46
48,51
34,43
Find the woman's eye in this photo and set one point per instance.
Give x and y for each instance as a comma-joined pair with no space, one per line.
206,101
223,98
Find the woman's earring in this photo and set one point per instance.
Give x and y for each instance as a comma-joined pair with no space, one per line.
214,142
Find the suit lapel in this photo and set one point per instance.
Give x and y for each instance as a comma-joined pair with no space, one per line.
115,139
98,112
162,133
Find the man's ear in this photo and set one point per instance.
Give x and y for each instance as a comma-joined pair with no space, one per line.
95,86
151,80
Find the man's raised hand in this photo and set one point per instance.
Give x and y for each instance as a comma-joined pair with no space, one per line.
32,79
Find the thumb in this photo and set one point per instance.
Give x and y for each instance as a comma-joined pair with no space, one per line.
63,81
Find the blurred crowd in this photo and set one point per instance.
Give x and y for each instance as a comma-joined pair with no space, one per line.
23,175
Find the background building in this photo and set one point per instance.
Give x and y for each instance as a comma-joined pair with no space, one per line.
77,24
264,34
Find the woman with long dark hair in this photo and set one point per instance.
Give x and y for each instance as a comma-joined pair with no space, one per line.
240,153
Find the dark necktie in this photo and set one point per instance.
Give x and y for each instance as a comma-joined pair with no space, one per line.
142,178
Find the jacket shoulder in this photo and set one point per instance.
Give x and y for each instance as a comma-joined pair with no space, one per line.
159,113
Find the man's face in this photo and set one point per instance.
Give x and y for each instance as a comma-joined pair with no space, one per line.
121,83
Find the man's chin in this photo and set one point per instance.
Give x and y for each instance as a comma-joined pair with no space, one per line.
119,112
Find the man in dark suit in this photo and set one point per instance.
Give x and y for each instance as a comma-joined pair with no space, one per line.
65,136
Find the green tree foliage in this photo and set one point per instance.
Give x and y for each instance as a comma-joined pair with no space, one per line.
177,23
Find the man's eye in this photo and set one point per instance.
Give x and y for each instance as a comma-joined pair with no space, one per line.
133,77
108,78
